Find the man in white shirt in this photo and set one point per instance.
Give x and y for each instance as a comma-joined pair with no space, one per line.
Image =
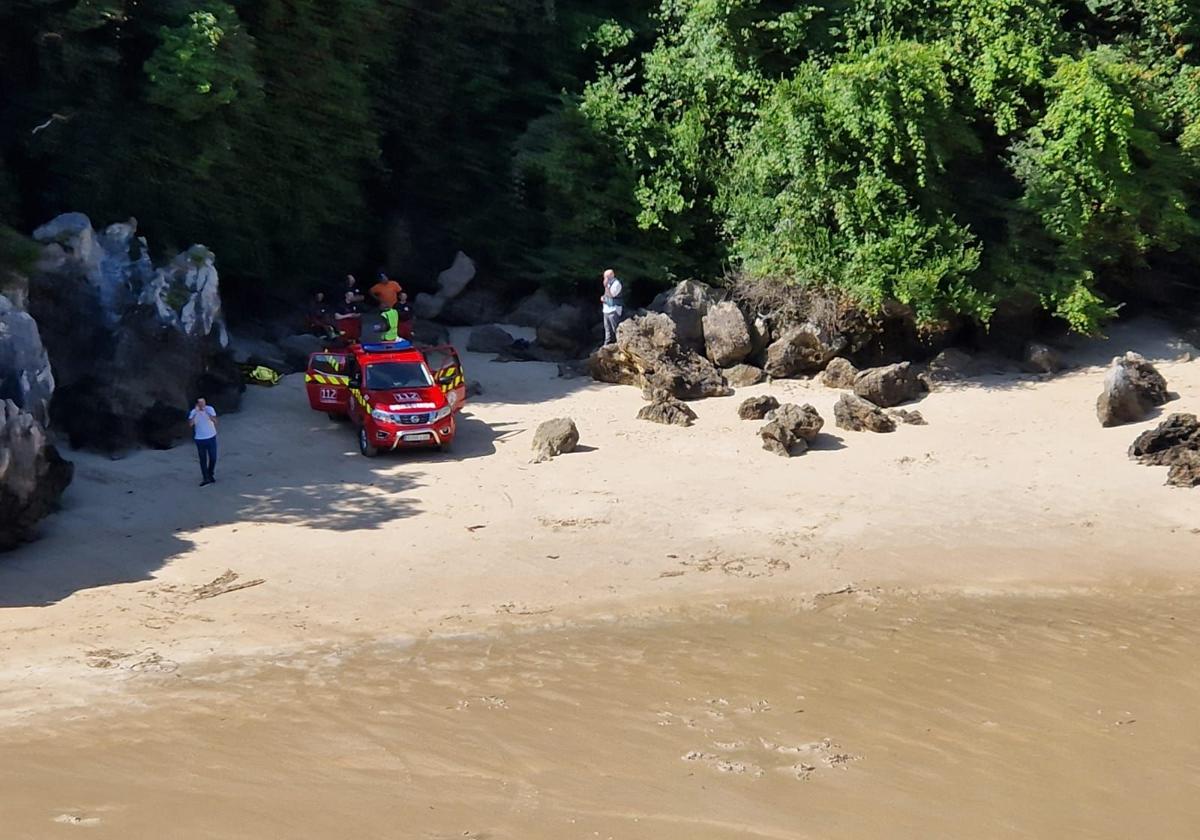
203,420
612,305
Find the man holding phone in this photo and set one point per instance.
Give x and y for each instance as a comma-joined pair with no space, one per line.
203,420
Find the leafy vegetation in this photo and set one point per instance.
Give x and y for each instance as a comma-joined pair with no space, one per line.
945,157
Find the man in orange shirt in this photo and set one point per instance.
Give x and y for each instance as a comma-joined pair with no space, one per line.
386,291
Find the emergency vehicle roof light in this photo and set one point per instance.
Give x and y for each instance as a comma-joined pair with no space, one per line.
388,346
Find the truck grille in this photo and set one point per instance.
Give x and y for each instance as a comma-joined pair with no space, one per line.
414,419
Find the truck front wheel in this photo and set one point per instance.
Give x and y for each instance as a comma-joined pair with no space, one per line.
364,443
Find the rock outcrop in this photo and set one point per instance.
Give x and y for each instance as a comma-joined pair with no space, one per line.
727,339
648,356
131,345
800,350
790,429
25,374
950,365
32,475
855,414
532,310
553,438
889,386
451,283
743,376
686,304
757,408
665,409
1042,358
839,373
1175,443
474,307
489,339
565,331
1132,388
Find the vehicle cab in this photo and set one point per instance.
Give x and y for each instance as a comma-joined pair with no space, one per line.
395,394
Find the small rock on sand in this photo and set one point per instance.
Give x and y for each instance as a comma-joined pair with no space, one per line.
1132,388
840,373
756,408
553,438
667,410
854,414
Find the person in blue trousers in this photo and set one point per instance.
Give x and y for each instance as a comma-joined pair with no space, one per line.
203,420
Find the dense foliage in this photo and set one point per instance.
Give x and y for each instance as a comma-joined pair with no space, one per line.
948,157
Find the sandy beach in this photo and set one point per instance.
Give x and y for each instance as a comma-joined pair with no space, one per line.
130,600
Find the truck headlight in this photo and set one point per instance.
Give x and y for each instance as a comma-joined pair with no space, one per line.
382,416
441,414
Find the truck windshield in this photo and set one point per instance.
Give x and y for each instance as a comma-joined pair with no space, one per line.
386,376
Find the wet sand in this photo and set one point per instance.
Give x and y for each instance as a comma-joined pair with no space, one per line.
864,715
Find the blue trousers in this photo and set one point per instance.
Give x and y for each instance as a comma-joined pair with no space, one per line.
207,450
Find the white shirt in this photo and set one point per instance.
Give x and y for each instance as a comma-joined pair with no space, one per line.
205,428
612,301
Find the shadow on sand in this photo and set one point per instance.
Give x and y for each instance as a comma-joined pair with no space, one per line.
124,520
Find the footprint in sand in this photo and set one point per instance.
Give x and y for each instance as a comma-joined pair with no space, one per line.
75,819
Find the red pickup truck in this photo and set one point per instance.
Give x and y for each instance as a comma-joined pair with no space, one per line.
396,395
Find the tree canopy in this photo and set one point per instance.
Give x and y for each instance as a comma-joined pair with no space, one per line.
948,157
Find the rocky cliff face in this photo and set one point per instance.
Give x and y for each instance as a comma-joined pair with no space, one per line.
25,375
32,475
131,345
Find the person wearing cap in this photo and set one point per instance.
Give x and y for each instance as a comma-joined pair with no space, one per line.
612,305
386,292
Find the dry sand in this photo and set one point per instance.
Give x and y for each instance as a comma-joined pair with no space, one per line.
1012,488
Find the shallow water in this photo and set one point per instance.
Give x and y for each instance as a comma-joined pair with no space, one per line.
902,718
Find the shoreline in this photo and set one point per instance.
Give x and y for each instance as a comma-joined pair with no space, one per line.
1013,487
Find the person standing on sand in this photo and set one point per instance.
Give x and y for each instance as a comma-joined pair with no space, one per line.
612,306
203,420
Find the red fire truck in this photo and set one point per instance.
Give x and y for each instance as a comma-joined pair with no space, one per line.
395,394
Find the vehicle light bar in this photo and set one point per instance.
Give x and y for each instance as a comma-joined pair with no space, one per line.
388,346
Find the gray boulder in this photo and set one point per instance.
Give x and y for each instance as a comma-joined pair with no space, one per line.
686,304
25,375
1132,388
427,307
910,418
647,355
474,307
553,438
667,410
1041,358
430,333
757,408
889,386
839,373
727,339
489,339
532,310
790,429
801,350
297,348
566,330
32,475
951,365
454,280
743,376
854,414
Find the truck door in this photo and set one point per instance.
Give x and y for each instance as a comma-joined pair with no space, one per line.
448,373
327,382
